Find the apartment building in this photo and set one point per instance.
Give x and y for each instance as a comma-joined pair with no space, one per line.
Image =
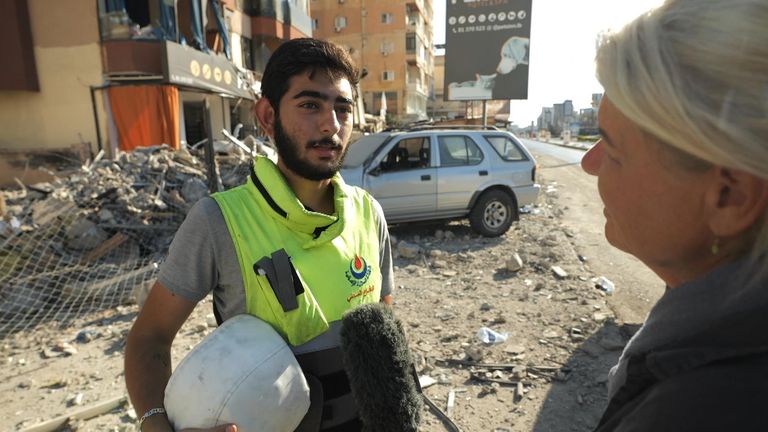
117,74
392,42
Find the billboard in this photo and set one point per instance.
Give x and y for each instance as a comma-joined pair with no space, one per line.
487,45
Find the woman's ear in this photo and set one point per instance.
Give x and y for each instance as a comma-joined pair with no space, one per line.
737,201
265,115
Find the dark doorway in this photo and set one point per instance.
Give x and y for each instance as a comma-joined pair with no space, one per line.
194,123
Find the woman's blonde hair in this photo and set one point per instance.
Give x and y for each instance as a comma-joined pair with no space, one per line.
694,73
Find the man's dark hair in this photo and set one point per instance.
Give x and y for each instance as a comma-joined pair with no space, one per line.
297,56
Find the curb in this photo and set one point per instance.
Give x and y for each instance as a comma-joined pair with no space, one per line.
573,145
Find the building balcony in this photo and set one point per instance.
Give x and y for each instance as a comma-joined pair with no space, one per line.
132,59
413,59
168,62
416,26
416,6
417,88
280,18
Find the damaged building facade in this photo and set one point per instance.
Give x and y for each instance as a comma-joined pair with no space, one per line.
120,74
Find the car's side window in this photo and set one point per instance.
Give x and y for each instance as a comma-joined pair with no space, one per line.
505,147
408,153
458,150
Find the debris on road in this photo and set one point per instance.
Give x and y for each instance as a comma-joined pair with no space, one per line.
605,284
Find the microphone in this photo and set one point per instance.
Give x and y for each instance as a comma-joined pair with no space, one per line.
380,369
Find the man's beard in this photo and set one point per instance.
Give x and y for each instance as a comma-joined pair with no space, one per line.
288,151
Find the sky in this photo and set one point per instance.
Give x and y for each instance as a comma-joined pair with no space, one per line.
562,53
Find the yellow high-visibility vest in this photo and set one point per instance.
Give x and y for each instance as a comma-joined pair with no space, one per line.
336,257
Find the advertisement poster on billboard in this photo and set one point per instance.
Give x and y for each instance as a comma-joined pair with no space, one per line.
487,45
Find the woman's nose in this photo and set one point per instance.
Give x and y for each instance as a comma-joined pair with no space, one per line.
592,159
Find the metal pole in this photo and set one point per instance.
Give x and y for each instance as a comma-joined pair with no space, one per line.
210,158
485,113
176,20
96,119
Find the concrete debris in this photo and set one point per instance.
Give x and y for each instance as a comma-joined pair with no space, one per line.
134,188
84,235
210,320
514,349
559,272
519,392
605,284
86,335
474,353
426,381
439,264
75,400
193,190
515,263
436,253
451,403
66,348
408,250
601,316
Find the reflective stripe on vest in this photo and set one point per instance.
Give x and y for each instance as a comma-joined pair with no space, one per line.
336,257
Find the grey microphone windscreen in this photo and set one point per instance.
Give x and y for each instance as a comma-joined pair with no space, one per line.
379,366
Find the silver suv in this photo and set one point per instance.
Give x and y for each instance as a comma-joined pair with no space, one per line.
427,173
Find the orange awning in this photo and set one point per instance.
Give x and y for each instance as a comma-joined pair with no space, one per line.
145,115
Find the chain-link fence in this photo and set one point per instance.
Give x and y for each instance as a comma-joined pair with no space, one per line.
94,240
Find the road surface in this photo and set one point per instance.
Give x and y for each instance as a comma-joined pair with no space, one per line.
564,154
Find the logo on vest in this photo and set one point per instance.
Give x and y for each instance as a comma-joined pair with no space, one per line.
359,271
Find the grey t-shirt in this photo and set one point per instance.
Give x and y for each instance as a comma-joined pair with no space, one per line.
202,259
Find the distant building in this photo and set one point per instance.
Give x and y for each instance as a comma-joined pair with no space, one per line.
546,119
596,98
120,74
588,121
392,40
562,117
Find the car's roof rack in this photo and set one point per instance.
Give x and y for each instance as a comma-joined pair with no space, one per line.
479,127
422,126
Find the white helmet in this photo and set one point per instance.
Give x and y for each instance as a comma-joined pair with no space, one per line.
242,373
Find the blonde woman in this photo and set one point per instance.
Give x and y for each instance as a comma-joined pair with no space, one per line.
682,170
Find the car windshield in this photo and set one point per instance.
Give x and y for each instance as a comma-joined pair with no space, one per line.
360,150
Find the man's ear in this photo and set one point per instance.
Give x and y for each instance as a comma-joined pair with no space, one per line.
265,114
737,201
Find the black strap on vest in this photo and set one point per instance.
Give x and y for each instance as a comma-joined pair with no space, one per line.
282,277
260,186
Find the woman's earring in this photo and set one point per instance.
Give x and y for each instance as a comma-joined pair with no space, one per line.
715,246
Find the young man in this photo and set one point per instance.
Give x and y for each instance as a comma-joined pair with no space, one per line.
335,235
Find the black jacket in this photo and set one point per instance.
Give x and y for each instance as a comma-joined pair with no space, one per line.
700,363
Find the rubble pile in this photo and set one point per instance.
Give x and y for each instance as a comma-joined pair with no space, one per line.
91,239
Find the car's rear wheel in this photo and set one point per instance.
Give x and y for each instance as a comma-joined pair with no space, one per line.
493,213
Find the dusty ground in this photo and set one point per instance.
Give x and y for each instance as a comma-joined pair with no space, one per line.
563,333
